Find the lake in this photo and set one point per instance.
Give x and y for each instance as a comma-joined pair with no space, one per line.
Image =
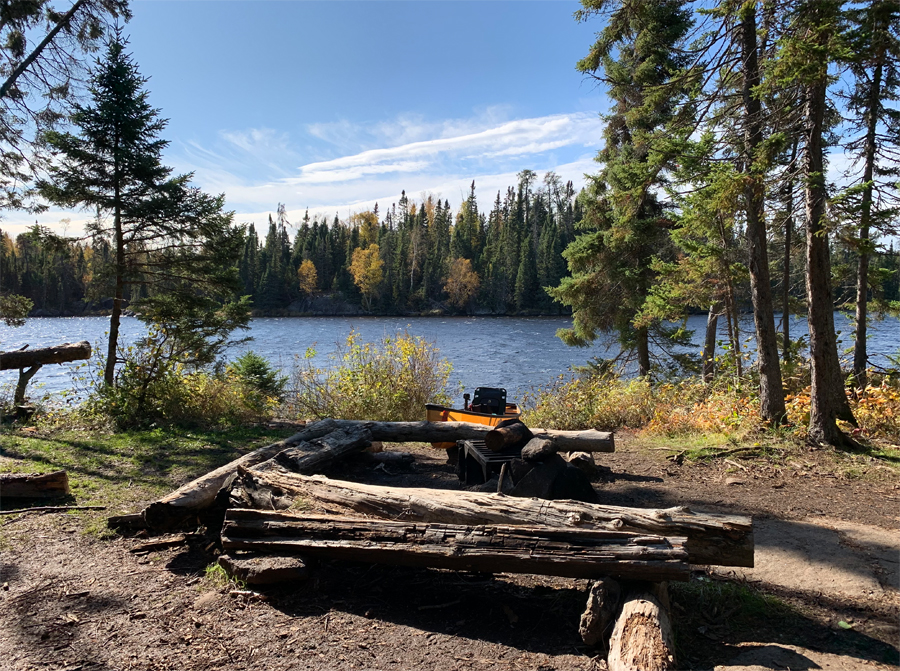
513,352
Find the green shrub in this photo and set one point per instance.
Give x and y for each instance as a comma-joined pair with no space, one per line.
255,372
390,380
155,389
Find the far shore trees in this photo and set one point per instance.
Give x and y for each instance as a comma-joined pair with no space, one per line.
173,248
462,283
367,267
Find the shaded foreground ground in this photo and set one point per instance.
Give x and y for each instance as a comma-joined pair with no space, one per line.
824,593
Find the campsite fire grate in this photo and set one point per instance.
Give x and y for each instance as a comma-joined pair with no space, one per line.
476,464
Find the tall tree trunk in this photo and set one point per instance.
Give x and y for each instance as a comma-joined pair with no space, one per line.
771,392
643,351
709,345
860,357
828,401
786,266
109,374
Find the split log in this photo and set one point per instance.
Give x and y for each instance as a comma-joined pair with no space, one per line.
572,553
507,435
34,485
187,502
642,638
26,358
316,455
725,540
447,432
599,615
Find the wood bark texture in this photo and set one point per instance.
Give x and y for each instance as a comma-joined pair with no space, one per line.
443,432
188,501
599,615
27,358
725,540
32,486
514,434
642,638
315,455
573,553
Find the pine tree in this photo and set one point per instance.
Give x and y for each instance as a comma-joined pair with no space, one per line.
638,57
873,200
805,53
166,235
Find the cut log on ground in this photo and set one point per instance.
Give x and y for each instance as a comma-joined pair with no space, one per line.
507,434
447,432
725,540
599,615
26,358
316,455
642,637
34,485
187,502
572,553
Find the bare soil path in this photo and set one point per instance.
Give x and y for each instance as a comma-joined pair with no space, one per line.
824,593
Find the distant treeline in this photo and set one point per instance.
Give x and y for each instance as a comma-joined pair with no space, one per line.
414,257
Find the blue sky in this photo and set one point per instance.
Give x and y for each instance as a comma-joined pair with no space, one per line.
335,105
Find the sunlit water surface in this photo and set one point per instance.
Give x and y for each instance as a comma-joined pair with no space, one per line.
513,352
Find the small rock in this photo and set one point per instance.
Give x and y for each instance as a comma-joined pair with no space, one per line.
733,481
375,447
538,449
584,462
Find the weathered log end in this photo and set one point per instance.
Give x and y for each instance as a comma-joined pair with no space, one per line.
642,638
265,569
26,358
599,615
34,485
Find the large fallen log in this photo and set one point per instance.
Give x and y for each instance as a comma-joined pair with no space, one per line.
573,553
29,362
184,504
442,432
188,501
315,455
34,485
26,358
725,540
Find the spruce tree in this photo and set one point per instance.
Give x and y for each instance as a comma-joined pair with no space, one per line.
166,235
873,200
638,57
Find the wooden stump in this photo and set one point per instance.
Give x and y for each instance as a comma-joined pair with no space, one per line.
642,637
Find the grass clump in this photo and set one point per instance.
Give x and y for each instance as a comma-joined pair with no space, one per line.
217,578
388,380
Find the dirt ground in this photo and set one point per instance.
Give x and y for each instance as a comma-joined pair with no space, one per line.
824,593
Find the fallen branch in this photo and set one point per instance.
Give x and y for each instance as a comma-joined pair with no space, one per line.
50,509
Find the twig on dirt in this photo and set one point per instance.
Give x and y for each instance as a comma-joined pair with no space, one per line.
435,606
734,463
50,509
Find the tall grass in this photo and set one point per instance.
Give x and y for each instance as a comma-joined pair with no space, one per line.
691,407
388,380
